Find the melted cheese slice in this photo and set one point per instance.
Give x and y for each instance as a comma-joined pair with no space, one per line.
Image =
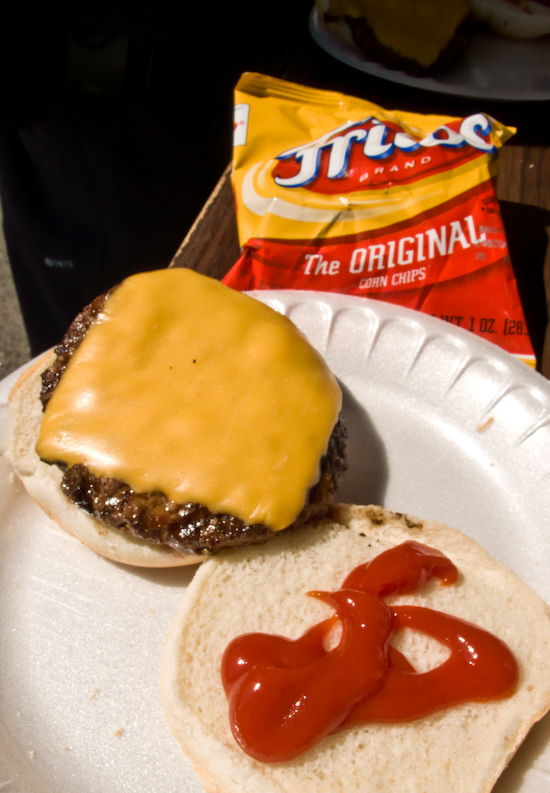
185,386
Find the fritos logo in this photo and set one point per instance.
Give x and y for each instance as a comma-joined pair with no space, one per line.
371,153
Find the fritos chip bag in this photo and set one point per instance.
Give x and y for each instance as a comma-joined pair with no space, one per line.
335,194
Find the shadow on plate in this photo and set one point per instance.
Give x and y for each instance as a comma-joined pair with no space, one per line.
527,757
179,577
367,476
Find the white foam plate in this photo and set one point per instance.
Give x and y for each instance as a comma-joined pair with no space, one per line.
492,68
441,425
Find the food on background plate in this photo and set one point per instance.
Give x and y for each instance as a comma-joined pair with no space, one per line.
515,19
461,745
176,418
415,36
336,194
425,38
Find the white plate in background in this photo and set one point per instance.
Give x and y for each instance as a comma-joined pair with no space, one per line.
492,67
441,425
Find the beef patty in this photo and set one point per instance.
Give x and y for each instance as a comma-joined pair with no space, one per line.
185,528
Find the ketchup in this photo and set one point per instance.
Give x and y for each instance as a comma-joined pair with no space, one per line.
285,695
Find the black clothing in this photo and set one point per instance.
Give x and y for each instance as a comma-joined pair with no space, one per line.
115,125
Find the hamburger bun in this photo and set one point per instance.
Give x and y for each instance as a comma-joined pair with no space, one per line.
43,483
462,749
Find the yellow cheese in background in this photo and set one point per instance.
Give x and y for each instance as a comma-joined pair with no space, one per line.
185,386
416,29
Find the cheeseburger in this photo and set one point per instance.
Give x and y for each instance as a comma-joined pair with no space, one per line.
176,418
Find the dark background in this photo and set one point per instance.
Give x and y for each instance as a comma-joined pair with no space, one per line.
116,124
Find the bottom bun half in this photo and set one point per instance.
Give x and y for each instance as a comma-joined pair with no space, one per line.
42,482
459,750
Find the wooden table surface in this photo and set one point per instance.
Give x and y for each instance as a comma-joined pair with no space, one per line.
523,186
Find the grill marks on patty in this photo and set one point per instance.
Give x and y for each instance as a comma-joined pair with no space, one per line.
185,528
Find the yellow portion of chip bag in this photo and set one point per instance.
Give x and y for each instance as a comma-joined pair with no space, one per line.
320,163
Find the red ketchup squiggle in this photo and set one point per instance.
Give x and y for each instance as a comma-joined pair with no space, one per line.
286,695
